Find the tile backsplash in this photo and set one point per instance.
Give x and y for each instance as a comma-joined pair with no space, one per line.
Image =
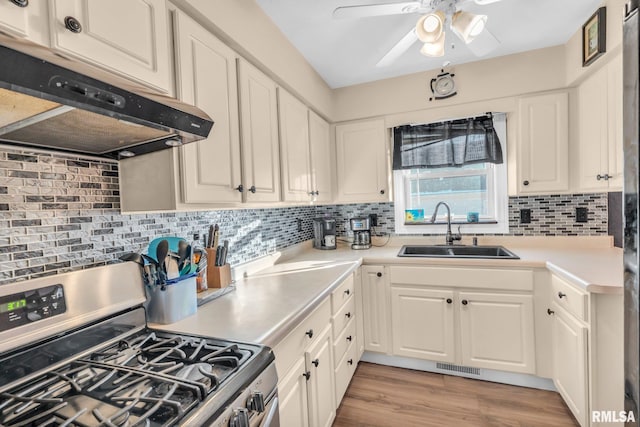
61,212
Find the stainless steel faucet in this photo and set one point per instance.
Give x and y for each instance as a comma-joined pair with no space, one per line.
449,237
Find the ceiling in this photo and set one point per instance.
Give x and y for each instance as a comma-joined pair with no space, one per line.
345,51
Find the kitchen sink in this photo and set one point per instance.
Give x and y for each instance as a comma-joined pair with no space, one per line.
456,251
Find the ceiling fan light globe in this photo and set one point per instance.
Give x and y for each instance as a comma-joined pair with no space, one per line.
435,49
468,25
430,26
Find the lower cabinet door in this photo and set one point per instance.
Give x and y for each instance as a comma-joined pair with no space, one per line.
570,362
422,322
320,384
374,309
345,369
292,392
496,331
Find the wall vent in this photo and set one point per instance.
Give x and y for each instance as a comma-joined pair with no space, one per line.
456,368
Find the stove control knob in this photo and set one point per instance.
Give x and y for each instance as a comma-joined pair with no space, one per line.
240,418
256,402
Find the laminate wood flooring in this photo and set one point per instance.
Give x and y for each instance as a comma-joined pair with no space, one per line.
384,396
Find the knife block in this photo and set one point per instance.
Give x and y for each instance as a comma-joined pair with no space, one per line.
218,277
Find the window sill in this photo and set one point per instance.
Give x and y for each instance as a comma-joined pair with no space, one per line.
438,223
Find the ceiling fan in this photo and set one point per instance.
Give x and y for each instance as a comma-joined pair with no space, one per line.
430,28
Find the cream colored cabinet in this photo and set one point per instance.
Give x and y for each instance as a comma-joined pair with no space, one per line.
601,160
423,323
294,145
128,37
259,134
361,150
375,311
346,312
26,19
569,337
320,149
360,312
543,143
320,381
206,71
497,331
292,392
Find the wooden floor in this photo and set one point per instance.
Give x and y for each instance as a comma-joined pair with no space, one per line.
384,396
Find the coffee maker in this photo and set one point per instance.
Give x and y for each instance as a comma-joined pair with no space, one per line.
324,233
361,228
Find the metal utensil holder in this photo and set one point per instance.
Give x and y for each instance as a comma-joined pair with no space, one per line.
172,302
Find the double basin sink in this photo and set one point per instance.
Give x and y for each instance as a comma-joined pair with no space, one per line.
456,251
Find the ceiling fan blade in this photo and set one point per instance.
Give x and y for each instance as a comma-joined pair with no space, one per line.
365,10
400,48
483,2
484,43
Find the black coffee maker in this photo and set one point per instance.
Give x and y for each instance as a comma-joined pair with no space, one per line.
324,233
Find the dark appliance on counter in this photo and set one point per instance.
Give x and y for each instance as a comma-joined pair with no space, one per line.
75,350
324,233
361,228
50,101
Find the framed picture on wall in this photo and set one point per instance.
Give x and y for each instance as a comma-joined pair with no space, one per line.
594,37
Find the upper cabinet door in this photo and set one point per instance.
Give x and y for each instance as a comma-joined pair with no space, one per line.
361,150
615,166
294,146
259,134
129,37
319,145
25,19
206,70
543,146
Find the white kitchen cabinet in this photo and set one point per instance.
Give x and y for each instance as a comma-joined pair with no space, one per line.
320,381
26,19
206,72
259,134
543,143
600,160
423,323
128,37
359,313
375,311
320,150
292,392
497,331
294,144
361,154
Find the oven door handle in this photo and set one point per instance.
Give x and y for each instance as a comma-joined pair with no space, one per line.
272,419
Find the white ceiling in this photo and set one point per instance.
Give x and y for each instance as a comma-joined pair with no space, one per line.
344,51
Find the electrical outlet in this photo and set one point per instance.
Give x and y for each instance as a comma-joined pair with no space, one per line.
525,216
582,215
373,218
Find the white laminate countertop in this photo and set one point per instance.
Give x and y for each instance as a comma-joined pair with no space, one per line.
268,304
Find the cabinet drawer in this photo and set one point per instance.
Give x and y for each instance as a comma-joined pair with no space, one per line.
570,298
493,278
344,372
342,317
341,294
294,344
342,341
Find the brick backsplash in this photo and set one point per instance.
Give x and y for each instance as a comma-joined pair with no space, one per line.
60,212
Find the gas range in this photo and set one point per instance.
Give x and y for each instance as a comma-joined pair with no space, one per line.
115,371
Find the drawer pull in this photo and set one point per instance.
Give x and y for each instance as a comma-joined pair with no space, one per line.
349,338
316,362
252,189
465,302
309,333
550,312
307,375
348,315
240,188
347,292
350,362
561,295
379,274
72,24
449,300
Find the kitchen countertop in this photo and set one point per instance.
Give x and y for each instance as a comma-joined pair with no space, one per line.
268,304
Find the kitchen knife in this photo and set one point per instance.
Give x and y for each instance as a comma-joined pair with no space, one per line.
210,239
225,251
216,235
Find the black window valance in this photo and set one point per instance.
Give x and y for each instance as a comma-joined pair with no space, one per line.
446,144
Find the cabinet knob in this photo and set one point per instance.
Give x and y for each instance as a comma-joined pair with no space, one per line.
379,274
465,302
311,193
309,333
240,188
317,193
349,338
449,300
72,24
561,295
347,291
316,362
381,191
307,375
525,182
252,189
550,312
350,362
20,3
599,177
606,177
348,315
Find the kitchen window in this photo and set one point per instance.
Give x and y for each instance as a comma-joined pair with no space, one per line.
466,183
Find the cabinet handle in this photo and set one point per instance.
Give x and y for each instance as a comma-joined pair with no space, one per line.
240,188
465,302
316,362
252,189
349,338
550,312
449,300
525,182
606,177
348,314
20,3
350,362
309,333
311,193
317,193
72,24
561,295
307,375
348,291
599,177
381,191
379,274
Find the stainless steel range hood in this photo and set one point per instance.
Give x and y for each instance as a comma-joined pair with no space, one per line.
50,101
